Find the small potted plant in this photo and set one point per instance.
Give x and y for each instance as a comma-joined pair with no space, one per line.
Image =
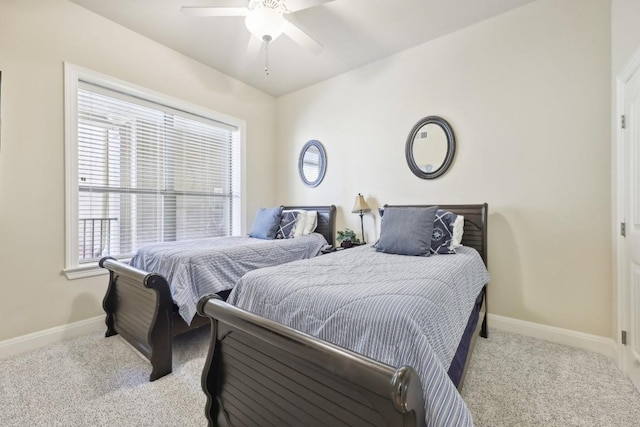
347,238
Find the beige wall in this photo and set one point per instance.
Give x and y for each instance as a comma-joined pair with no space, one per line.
528,96
36,37
625,32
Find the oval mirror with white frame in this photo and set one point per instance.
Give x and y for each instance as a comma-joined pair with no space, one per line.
312,163
430,147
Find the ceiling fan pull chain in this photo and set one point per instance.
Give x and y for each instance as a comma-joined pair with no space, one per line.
266,39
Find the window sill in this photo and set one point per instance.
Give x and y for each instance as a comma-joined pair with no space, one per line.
87,270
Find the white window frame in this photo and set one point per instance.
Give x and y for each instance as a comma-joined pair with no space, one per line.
72,75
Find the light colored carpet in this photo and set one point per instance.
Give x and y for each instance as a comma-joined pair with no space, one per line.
515,380
95,381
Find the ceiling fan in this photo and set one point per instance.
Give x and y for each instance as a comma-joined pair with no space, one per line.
265,19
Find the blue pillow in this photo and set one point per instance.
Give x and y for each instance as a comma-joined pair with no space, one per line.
407,231
287,225
266,223
442,234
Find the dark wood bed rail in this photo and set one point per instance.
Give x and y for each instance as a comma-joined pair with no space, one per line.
139,306
133,300
259,372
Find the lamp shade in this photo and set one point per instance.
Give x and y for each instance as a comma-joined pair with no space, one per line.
360,205
265,23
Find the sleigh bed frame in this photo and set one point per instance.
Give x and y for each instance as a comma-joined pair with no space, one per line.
139,306
298,378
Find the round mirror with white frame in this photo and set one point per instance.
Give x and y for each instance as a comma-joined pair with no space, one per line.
430,147
312,164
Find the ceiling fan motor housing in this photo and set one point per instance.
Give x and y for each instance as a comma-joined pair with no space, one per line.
267,4
264,19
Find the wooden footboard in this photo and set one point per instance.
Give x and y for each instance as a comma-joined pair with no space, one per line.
139,307
259,372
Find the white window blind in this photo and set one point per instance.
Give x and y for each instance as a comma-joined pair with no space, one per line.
148,173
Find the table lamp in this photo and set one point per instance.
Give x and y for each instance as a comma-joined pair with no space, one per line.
361,206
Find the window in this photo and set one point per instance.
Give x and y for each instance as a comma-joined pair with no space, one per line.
141,169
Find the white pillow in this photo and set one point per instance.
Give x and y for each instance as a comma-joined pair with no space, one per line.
458,230
311,222
306,224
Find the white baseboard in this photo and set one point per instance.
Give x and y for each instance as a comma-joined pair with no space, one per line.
602,345
51,336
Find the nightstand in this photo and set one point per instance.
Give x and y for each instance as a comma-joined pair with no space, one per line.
353,245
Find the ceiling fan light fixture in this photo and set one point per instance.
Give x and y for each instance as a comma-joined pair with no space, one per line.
265,23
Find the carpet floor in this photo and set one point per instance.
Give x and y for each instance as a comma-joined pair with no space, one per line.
95,381
515,380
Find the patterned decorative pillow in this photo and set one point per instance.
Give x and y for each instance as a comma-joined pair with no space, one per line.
442,235
287,225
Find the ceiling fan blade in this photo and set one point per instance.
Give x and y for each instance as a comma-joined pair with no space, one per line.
296,5
254,46
214,11
302,38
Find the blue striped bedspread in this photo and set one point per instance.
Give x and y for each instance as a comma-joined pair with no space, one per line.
399,310
195,268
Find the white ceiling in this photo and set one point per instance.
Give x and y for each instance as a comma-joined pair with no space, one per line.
353,32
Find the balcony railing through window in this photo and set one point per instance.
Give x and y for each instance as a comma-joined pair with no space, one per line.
95,238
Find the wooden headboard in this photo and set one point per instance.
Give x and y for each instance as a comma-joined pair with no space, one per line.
326,220
475,224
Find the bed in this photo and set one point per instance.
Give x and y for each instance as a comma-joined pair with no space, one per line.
150,303
303,347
